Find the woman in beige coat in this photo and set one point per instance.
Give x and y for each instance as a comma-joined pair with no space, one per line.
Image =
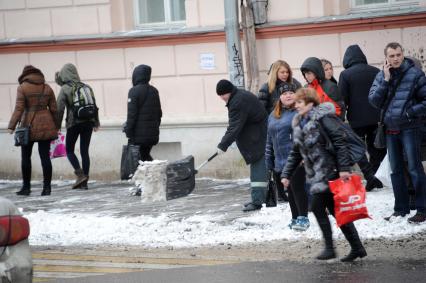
35,106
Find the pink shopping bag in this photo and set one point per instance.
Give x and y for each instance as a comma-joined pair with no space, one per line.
57,147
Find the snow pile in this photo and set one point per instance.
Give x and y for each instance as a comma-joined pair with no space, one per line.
56,228
151,178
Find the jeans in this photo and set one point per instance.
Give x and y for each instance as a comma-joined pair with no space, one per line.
84,130
46,164
407,141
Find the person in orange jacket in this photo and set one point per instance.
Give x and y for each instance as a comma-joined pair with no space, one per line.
327,91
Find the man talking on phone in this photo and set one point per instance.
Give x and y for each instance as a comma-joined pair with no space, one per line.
400,91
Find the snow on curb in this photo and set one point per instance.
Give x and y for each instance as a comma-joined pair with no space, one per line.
54,228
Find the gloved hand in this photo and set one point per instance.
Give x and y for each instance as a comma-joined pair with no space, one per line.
219,151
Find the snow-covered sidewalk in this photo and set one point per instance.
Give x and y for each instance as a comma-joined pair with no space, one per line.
202,227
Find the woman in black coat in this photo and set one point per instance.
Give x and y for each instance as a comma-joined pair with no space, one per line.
143,112
321,165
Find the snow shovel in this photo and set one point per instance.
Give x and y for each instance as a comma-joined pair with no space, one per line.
205,162
181,177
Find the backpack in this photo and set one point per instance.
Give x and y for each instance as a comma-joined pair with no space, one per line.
356,145
83,102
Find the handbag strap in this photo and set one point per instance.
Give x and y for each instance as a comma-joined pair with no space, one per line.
389,99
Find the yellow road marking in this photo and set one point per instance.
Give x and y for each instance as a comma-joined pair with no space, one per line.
82,269
119,259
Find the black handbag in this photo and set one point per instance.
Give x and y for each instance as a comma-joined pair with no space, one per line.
380,138
22,135
271,194
130,157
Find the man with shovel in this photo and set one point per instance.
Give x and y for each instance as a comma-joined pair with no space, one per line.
247,127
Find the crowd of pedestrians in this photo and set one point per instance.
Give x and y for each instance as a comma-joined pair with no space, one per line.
281,132
300,119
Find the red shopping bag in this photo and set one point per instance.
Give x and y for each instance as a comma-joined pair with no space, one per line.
349,199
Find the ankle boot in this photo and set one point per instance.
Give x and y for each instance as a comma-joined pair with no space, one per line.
357,249
327,253
83,185
80,178
25,191
46,191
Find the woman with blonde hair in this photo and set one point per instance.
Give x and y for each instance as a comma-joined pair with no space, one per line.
279,72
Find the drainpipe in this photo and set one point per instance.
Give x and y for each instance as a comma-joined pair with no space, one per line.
233,44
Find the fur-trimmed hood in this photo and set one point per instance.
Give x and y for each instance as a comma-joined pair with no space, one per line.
316,113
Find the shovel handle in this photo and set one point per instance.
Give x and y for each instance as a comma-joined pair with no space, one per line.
205,162
211,157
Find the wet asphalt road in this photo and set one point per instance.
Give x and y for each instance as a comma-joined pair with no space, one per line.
277,271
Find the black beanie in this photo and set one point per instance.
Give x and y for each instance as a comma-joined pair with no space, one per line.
284,87
224,87
29,69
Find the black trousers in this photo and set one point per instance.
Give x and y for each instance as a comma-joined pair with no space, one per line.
145,151
46,164
367,134
323,201
84,131
297,195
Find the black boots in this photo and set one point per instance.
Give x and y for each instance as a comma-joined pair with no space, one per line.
81,178
357,249
327,253
373,183
25,191
83,185
354,254
46,190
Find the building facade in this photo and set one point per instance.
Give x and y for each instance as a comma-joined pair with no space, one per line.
184,42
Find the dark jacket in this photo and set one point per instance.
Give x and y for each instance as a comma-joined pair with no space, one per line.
247,125
279,141
35,104
309,145
354,85
407,108
66,78
143,109
269,99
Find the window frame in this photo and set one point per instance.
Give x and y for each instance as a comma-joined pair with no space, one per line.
168,23
389,5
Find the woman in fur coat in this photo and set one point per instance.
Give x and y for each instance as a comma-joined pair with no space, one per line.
321,165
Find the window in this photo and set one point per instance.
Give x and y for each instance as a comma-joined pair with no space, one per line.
159,12
382,4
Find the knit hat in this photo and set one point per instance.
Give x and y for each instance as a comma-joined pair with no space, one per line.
224,87
284,87
29,69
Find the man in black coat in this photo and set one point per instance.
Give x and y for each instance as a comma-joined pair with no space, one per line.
247,127
143,112
354,85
